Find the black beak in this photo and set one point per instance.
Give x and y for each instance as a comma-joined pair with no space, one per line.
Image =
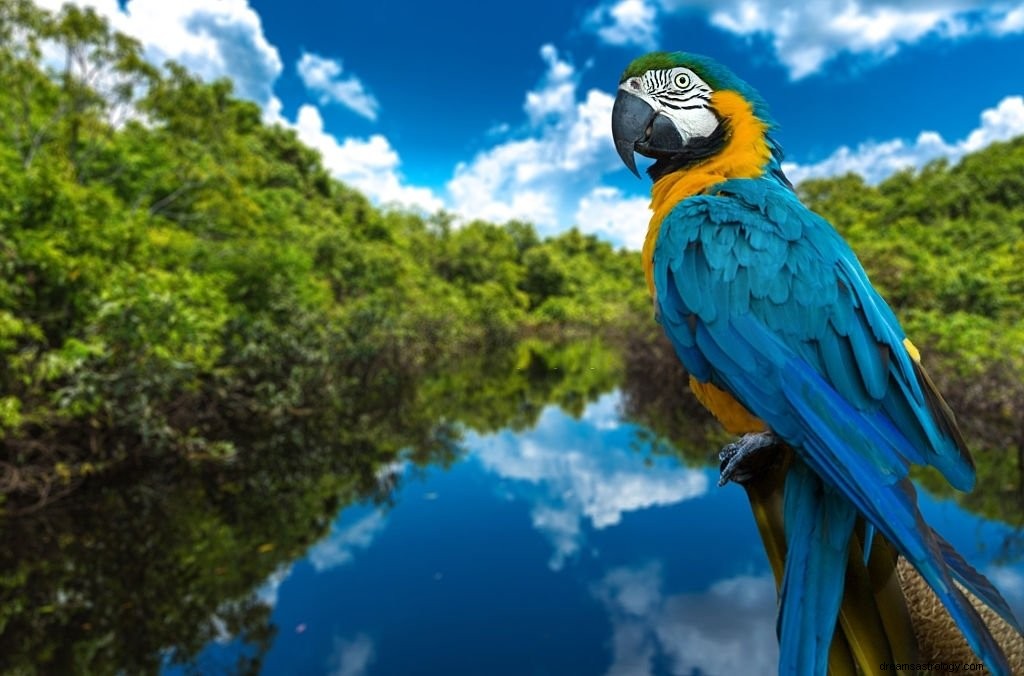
631,118
636,127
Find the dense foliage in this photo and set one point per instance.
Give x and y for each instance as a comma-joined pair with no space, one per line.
173,268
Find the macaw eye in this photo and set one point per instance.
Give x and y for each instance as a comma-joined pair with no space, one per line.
682,80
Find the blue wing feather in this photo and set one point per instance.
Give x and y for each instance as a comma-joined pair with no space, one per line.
763,298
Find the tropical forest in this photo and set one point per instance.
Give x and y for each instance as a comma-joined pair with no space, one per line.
211,348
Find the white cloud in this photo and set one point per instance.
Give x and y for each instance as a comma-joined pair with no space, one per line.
569,484
805,36
726,629
877,160
625,23
323,76
499,185
351,657
213,39
588,136
342,544
542,177
1003,122
557,95
607,212
1011,22
369,165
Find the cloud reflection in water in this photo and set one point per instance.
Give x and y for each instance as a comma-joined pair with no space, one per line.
726,629
340,547
573,471
351,657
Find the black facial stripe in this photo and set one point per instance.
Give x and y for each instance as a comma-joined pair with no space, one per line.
698,94
682,107
672,96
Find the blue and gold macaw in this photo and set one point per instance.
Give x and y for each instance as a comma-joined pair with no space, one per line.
788,344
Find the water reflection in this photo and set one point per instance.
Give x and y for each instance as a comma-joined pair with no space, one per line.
571,547
350,656
1010,581
592,469
726,629
342,544
519,537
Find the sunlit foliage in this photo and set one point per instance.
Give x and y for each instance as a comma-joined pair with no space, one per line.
172,266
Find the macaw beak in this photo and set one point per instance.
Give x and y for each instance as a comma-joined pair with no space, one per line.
637,127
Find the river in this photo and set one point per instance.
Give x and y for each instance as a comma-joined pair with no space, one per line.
545,509
568,548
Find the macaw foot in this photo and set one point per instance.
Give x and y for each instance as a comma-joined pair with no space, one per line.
745,459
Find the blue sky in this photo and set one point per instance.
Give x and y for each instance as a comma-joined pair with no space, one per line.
498,111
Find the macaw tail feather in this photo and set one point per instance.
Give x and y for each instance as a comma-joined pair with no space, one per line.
819,523
976,583
837,446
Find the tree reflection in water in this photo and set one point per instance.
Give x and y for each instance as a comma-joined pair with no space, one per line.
150,565
155,562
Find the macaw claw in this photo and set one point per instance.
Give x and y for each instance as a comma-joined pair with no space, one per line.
745,459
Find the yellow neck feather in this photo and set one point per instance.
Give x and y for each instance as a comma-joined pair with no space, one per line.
744,156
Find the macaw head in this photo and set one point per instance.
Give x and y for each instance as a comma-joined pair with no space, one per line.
666,110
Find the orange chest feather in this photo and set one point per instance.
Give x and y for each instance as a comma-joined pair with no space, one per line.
744,156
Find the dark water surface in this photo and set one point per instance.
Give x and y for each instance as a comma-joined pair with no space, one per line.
571,547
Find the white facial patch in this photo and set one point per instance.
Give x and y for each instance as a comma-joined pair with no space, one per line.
680,95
